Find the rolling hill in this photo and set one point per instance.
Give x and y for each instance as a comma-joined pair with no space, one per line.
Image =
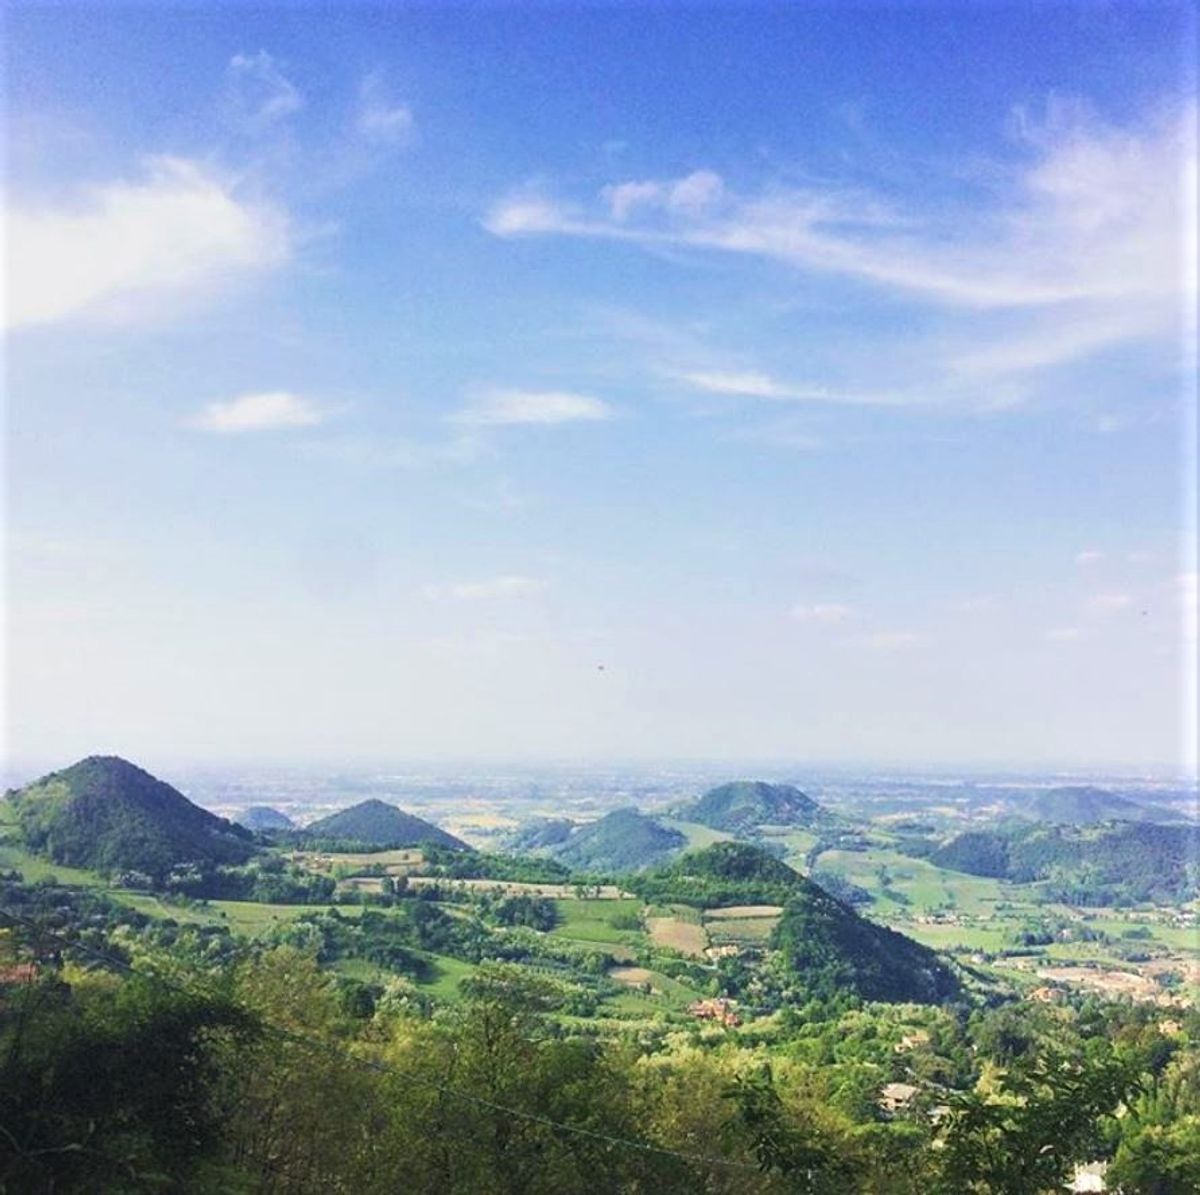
823,945
744,805
263,817
540,834
624,840
108,814
380,824
1114,861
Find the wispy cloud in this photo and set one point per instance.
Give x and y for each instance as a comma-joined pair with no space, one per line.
1086,244
502,407
273,411
1065,634
822,612
1089,556
508,586
380,119
753,384
258,93
128,246
1104,604
889,640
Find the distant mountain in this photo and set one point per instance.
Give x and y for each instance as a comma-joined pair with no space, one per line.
105,813
624,840
824,945
539,834
1103,864
381,824
1081,805
745,805
263,817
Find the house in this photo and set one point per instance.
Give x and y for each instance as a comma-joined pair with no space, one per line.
718,1009
895,1097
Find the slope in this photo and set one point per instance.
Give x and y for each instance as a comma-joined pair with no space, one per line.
107,814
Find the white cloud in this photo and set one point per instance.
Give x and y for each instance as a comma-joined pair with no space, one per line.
1104,604
1087,243
889,640
822,612
1089,557
129,245
976,605
381,120
508,586
1065,634
752,384
273,411
259,92
501,407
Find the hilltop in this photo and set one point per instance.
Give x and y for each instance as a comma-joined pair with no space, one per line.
108,814
263,817
624,840
380,824
745,805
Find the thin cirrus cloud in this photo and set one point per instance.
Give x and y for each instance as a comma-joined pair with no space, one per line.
275,410
889,640
822,612
259,95
546,407
180,231
1087,243
510,585
754,384
381,120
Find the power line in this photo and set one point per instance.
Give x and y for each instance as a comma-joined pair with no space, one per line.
386,1069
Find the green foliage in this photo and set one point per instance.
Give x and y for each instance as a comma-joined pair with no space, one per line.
106,1088
1027,1136
480,865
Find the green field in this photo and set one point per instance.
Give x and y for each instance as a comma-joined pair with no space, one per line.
13,858
592,920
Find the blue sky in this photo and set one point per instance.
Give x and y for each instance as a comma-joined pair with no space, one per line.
523,382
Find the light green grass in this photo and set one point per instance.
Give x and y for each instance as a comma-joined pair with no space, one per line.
14,858
591,921
448,974
698,836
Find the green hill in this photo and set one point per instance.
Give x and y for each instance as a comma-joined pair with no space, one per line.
263,817
107,814
823,945
745,805
1105,864
380,824
540,834
624,840
830,948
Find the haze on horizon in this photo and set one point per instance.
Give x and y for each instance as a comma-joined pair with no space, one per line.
799,384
